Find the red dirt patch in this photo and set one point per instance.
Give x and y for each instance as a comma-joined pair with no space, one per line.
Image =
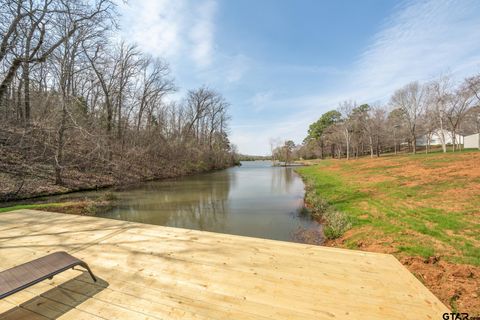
457,286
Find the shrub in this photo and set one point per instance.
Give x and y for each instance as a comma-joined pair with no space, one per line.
109,196
90,208
336,223
321,206
318,205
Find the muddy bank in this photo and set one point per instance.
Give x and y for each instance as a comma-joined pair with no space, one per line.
13,189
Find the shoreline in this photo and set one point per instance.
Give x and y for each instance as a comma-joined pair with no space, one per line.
375,194
58,190
77,206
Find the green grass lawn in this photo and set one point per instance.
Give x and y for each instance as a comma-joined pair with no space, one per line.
419,205
34,206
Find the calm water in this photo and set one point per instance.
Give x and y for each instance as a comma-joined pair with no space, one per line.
252,200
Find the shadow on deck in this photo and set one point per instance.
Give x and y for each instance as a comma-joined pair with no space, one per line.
154,272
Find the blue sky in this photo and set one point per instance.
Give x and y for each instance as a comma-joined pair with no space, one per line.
282,63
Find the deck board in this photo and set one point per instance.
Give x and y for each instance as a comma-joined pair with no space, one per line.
154,272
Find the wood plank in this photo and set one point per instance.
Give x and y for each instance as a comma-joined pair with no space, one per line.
154,272
5,306
21,314
278,295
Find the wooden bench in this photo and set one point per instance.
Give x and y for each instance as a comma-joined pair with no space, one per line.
25,275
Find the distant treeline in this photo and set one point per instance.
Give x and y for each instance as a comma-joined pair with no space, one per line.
440,109
245,157
80,108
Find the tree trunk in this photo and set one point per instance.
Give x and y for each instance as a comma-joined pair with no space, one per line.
26,81
347,140
321,149
442,137
60,144
453,140
7,80
26,92
19,108
371,146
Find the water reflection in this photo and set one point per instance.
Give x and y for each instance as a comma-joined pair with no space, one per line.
196,203
282,179
252,200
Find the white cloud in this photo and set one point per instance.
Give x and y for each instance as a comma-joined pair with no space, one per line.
155,25
226,71
237,67
201,33
262,99
422,40
177,30
311,69
254,139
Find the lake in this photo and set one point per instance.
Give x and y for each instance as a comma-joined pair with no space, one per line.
254,199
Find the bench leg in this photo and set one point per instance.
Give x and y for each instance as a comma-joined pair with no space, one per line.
84,265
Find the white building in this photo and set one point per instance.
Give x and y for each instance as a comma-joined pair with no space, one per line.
472,141
436,140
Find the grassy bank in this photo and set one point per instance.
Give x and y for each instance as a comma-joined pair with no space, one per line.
418,207
80,206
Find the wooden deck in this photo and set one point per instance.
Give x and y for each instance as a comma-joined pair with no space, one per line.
153,272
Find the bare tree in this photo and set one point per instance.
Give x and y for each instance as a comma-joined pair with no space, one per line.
77,100
473,85
34,25
429,127
274,144
415,110
346,108
377,119
438,91
411,99
458,104
154,85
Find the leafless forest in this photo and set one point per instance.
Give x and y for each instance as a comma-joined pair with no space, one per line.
80,108
441,109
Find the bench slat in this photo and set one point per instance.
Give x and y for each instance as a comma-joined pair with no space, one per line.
25,275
